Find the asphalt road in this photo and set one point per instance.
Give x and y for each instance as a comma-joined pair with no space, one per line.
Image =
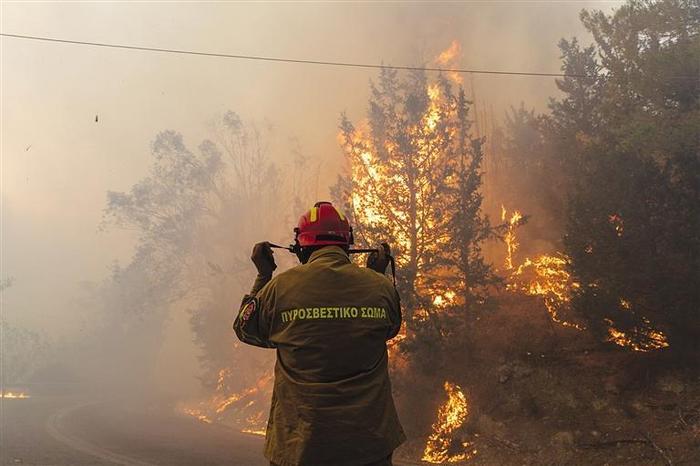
65,431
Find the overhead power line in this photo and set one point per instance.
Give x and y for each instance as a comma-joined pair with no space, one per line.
312,62
293,60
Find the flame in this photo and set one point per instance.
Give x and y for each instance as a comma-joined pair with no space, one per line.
197,414
450,417
261,432
223,405
548,276
432,117
617,223
243,404
655,339
365,168
449,54
14,396
550,279
448,57
445,299
509,238
221,380
373,181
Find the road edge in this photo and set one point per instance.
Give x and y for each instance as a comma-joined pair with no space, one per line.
56,429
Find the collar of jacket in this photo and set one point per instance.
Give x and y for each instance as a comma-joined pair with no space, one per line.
334,253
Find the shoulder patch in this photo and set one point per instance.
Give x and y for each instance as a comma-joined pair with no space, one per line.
248,310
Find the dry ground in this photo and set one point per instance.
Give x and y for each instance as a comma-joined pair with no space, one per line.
540,394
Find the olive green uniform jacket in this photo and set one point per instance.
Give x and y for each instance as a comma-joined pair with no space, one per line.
329,321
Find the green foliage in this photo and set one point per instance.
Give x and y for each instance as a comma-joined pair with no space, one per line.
633,230
614,168
462,252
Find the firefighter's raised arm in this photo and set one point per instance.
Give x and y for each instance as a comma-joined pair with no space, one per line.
395,316
252,324
379,261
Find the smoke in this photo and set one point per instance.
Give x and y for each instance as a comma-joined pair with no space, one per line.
59,160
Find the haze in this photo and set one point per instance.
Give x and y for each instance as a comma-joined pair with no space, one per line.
58,162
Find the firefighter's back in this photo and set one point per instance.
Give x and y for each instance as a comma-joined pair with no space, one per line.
332,402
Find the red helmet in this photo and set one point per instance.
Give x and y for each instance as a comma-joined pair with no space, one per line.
323,225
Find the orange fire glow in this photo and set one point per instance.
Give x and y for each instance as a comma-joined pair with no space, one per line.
652,339
617,223
374,182
260,432
449,57
509,238
548,276
247,404
450,417
197,414
14,395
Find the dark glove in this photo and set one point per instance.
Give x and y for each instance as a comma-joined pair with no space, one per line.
263,259
378,261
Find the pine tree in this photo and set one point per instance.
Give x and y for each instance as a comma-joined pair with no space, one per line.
634,215
413,180
468,227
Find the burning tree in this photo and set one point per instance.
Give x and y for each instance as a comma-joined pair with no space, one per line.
450,417
633,217
619,151
413,178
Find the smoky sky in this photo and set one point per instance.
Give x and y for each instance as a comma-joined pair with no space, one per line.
58,162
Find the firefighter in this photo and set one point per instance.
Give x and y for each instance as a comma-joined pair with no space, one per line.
329,321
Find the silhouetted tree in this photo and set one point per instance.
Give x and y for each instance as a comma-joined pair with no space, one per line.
23,350
197,214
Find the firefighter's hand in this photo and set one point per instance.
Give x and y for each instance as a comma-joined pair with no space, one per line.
263,259
378,261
